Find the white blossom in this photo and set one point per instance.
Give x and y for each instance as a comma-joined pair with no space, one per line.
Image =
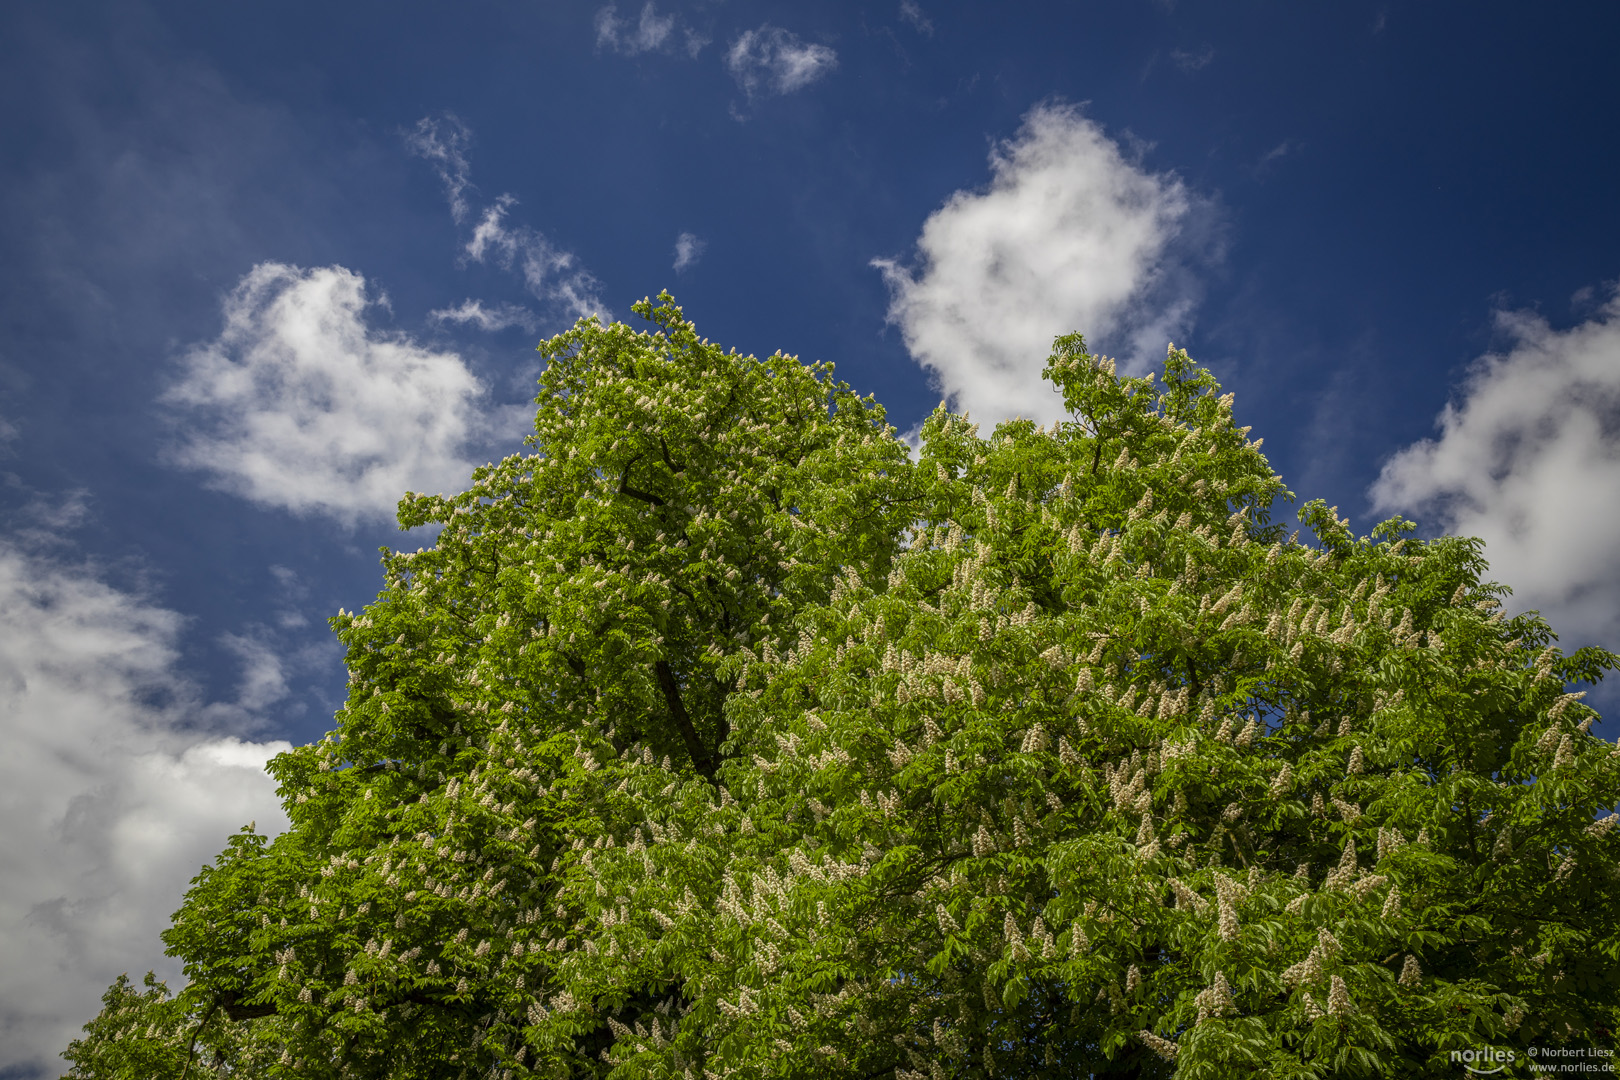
1339,998
1163,1047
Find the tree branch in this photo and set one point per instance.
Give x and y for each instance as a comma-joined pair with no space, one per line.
702,760
191,1048
237,1013
626,489
664,446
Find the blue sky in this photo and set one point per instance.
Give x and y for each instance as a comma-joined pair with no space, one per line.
266,266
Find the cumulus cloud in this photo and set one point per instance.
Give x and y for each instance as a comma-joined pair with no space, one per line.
299,404
650,32
1071,234
493,318
111,795
688,250
1528,459
551,274
443,141
777,60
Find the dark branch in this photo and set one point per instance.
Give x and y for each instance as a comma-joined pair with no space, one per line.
191,1048
626,489
664,446
237,1013
702,760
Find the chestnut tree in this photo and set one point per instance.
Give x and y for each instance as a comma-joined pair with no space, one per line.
722,735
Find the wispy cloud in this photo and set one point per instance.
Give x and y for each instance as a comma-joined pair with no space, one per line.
443,141
112,790
1070,234
696,41
1528,458
492,318
688,250
552,275
301,405
43,522
264,670
1268,161
1276,153
1193,59
649,33
777,60
912,13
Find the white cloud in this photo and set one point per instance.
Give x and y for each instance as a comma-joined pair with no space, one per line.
1070,235
300,405
497,317
264,675
111,796
696,41
778,60
688,250
551,274
913,14
1528,459
650,32
443,141
42,520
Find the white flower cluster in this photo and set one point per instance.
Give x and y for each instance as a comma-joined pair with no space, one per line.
1228,893
1215,1000
1163,1047
1187,898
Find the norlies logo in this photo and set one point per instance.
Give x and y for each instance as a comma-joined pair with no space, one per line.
1484,1062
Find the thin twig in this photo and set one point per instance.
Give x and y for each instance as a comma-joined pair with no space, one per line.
191,1050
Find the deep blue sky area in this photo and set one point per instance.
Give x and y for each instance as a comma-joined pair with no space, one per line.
1359,202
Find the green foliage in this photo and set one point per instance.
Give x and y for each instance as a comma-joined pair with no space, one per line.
136,1035
718,737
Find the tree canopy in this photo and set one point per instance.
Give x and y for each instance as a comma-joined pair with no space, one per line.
721,736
